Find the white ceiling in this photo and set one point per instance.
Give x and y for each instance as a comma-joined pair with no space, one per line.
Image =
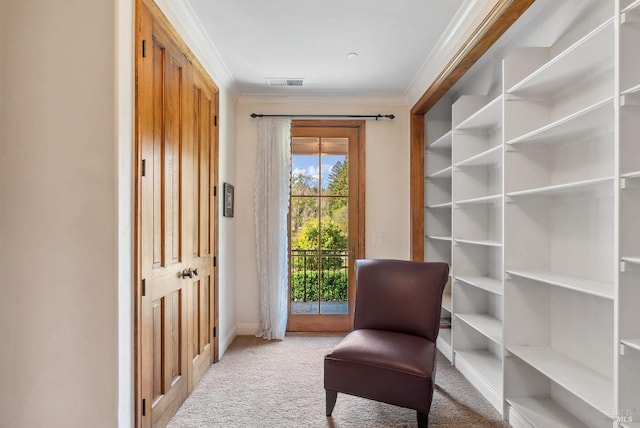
260,39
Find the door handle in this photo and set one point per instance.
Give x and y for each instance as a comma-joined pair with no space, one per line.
189,273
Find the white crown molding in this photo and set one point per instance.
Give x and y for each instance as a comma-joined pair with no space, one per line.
463,23
184,19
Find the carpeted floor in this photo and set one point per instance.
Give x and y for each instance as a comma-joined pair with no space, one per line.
260,383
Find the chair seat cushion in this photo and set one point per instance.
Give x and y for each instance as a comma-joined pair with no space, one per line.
395,368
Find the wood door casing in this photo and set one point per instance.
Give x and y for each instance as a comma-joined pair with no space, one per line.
176,315
354,130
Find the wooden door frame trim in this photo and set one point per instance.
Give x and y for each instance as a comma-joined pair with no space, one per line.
497,21
314,322
159,18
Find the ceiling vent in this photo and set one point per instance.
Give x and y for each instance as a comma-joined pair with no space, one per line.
273,81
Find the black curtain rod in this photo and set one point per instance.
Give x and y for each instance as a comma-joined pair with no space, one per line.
344,116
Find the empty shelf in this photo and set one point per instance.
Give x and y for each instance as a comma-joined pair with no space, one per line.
487,365
439,238
491,199
596,184
491,285
440,205
443,173
442,142
583,285
485,324
587,384
593,52
544,412
492,156
585,123
489,116
483,242
632,343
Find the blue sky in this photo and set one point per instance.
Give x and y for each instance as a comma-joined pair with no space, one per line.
308,165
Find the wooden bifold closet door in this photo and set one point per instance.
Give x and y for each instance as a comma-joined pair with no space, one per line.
176,317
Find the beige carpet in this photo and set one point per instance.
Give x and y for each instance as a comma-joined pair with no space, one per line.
259,383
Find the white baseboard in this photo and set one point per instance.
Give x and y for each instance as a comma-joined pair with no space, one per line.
248,329
226,340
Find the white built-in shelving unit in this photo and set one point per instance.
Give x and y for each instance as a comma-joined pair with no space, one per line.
533,196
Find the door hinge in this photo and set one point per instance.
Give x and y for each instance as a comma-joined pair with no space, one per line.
144,407
144,167
144,288
215,331
215,120
215,261
215,191
144,49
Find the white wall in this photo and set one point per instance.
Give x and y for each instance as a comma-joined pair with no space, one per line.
387,184
125,81
58,214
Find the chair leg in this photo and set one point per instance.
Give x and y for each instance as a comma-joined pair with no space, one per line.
423,420
330,400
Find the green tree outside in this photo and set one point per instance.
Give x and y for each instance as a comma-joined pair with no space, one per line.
307,238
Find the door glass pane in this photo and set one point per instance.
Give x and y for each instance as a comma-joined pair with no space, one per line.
303,211
304,282
333,167
305,166
334,256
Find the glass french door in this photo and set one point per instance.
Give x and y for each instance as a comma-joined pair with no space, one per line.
325,217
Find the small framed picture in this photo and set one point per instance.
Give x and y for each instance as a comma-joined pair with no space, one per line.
227,210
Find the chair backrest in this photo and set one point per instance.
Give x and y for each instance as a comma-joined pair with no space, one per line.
400,295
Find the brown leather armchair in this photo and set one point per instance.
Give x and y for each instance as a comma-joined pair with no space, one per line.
390,354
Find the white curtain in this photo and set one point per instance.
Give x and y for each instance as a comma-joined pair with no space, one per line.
271,208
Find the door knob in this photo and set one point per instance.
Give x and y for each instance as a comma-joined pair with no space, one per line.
187,273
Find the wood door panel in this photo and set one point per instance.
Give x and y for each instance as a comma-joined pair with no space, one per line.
204,140
171,165
156,152
201,337
169,384
158,384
